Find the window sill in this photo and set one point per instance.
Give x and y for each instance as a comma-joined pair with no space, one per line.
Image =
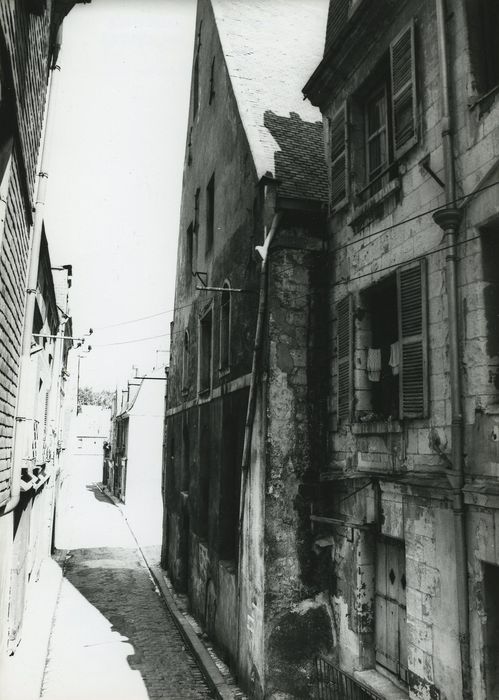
364,209
376,427
223,371
381,685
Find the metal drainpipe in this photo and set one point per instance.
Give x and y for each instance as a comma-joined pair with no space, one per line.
24,388
449,219
250,414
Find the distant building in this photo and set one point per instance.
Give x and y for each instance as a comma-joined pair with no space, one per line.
406,512
133,465
244,427
32,365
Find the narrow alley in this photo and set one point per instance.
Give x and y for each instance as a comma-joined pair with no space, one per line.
112,635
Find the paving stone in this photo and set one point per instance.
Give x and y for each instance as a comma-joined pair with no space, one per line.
113,636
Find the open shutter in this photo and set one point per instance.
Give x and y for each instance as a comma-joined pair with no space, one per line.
339,157
403,86
413,385
344,341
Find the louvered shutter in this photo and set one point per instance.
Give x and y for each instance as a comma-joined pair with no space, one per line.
338,157
344,340
413,385
403,87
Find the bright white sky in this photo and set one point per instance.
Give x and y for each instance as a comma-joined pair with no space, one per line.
113,201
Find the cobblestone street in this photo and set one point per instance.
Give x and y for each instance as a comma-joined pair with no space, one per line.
113,636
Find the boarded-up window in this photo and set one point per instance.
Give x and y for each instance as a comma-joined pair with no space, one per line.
390,607
338,157
403,91
411,285
344,341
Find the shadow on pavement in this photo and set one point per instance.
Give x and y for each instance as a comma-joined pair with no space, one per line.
93,488
117,584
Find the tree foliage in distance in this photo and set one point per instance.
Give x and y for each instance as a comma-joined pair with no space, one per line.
92,397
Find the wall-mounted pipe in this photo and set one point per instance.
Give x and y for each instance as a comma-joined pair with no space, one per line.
449,219
263,251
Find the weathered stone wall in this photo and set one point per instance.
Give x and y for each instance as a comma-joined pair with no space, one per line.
368,242
298,621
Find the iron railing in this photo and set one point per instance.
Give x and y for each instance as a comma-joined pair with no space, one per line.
334,684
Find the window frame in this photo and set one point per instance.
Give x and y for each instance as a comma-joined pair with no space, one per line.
210,215
413,331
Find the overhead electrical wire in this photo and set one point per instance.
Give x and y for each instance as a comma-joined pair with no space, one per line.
360,240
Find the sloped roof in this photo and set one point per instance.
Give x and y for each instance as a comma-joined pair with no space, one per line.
271,48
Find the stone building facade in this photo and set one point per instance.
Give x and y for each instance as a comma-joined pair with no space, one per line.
245,404
29,44
406,515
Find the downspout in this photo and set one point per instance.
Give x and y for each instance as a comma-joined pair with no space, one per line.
24,388
263,251
449,219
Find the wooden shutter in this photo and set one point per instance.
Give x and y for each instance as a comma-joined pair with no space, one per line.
412,321
339,156
344,340
403,88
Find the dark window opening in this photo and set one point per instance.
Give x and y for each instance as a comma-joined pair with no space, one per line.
483,24
186,460
381,304
210,213
225,304
490,256
205,352
491,641
212,81
185,361
195,87
189,249
230,484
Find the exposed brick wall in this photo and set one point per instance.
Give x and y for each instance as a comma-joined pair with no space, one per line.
26,38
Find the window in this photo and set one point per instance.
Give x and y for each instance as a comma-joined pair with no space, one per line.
195,87
483,22
377,144
389,341
185,361
189,243
225,308
212,81
490,255
205,352
390,607
383,115
339,157
210,213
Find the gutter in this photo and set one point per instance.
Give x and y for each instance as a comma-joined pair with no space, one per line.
449,219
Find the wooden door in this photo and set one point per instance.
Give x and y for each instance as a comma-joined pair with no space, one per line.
390,607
